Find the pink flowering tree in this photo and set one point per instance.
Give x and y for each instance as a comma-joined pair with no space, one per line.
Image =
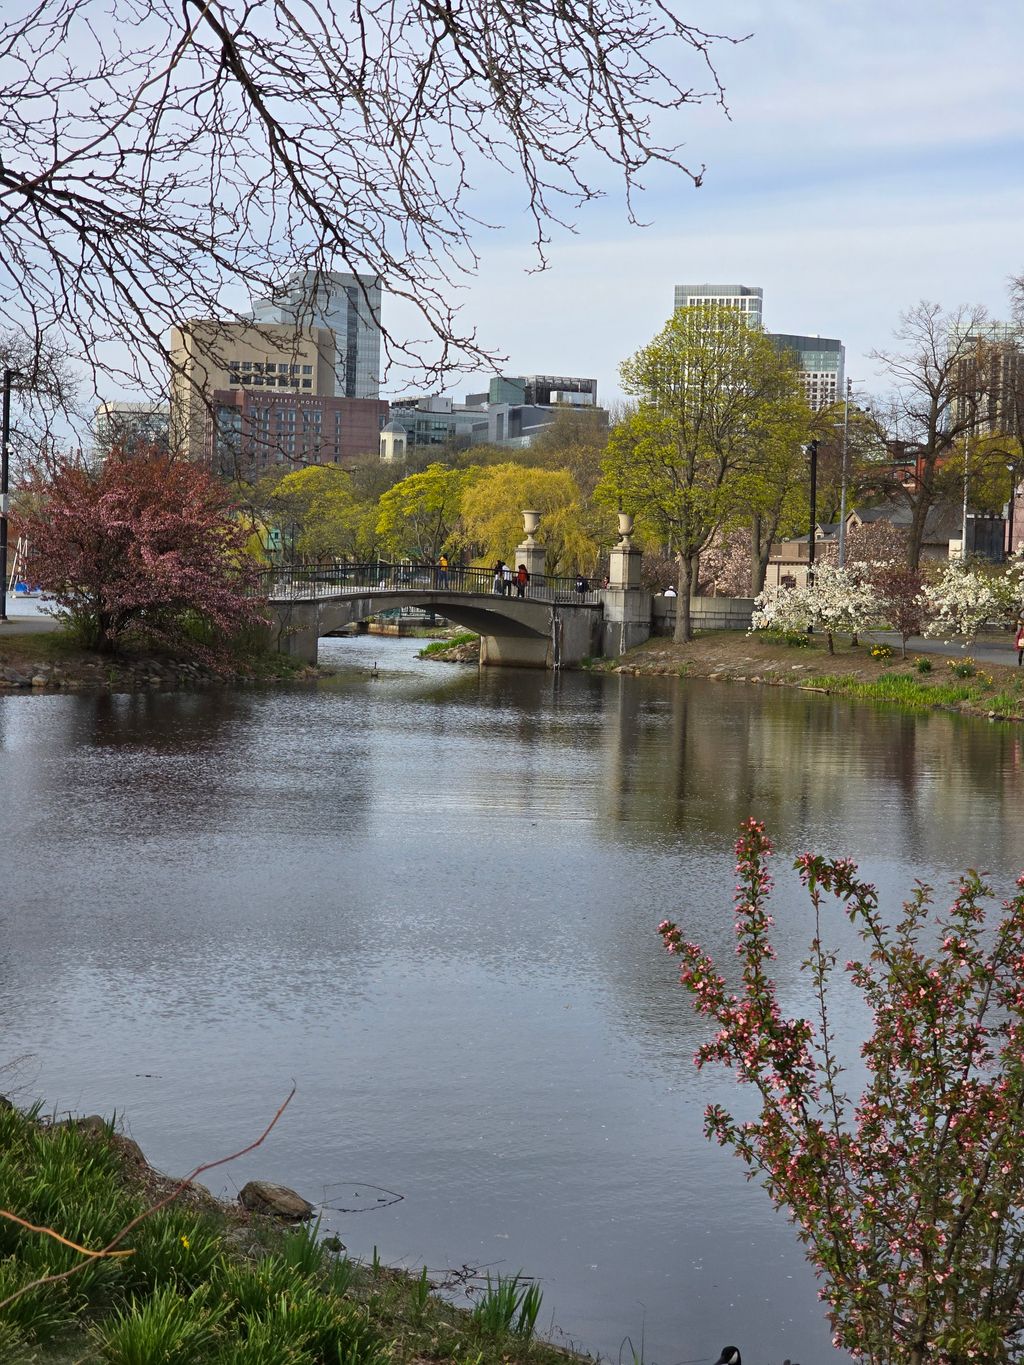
141,544
910,1196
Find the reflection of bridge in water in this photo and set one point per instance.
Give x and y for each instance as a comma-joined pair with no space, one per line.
553,622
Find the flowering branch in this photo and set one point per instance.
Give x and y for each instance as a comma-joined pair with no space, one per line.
909,1199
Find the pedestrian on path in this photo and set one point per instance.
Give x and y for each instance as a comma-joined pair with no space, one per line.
1019,639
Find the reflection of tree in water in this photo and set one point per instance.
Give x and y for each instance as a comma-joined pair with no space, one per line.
685,764
695,759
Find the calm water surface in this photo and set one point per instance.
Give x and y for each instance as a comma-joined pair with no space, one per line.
429,899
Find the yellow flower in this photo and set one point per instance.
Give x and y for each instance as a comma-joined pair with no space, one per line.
184,1243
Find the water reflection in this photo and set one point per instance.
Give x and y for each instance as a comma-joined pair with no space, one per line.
430,898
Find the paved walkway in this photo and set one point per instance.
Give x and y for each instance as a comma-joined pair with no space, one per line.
990,648
26,616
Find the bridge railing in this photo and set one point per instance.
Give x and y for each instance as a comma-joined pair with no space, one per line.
334,578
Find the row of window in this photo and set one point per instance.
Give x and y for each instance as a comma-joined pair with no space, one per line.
268,381
268,367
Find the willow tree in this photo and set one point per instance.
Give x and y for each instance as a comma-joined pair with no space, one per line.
418,515
321,504
492,516
714,399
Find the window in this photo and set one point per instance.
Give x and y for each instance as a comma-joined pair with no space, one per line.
307,383
271,367
307,369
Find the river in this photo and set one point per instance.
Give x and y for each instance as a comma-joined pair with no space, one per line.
429,897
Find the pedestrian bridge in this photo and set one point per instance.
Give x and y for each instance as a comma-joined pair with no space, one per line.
556,623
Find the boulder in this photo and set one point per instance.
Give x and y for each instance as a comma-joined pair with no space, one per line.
261,1196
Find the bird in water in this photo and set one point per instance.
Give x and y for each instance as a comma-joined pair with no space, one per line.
373,670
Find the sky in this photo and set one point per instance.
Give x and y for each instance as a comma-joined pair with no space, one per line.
873,156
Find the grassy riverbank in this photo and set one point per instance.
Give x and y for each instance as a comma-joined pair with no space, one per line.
207,1282
919,682
54,660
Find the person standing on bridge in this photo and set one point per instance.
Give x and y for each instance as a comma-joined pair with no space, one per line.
498,582
442,571
507,578
522,578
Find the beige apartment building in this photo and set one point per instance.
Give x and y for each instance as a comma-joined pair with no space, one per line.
248,397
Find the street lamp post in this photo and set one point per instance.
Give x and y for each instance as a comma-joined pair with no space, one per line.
1009,518
5,476
812,451
845,472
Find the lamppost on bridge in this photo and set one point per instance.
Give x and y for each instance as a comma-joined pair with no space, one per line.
5,476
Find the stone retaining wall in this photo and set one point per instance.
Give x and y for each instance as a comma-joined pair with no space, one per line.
706,613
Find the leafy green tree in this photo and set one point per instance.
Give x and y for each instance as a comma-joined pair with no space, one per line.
492,516
713,396
319,501
576,440
419,514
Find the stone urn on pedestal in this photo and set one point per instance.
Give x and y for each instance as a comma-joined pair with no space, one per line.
624,560
529,552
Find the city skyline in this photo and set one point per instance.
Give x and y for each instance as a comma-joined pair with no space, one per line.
868,163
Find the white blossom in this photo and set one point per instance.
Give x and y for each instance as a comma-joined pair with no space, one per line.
959,600
837,600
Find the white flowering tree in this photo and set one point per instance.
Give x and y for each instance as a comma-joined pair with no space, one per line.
843,600
960,599
781,608
839,599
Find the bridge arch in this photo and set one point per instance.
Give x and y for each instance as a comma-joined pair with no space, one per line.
514,632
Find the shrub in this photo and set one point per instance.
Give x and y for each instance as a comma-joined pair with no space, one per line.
923,665
881,652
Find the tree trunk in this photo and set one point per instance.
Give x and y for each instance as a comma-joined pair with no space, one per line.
757,572
915,537
683,633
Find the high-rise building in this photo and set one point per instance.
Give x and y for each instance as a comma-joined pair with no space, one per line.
247,397
130,426
744,298
350,306
820,362
989,380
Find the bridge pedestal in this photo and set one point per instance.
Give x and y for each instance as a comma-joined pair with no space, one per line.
627,607
514,651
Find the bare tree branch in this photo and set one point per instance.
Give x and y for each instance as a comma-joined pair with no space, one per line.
165,159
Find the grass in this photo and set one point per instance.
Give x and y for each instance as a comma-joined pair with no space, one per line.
464,637
186,1294
919,692
508,1305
